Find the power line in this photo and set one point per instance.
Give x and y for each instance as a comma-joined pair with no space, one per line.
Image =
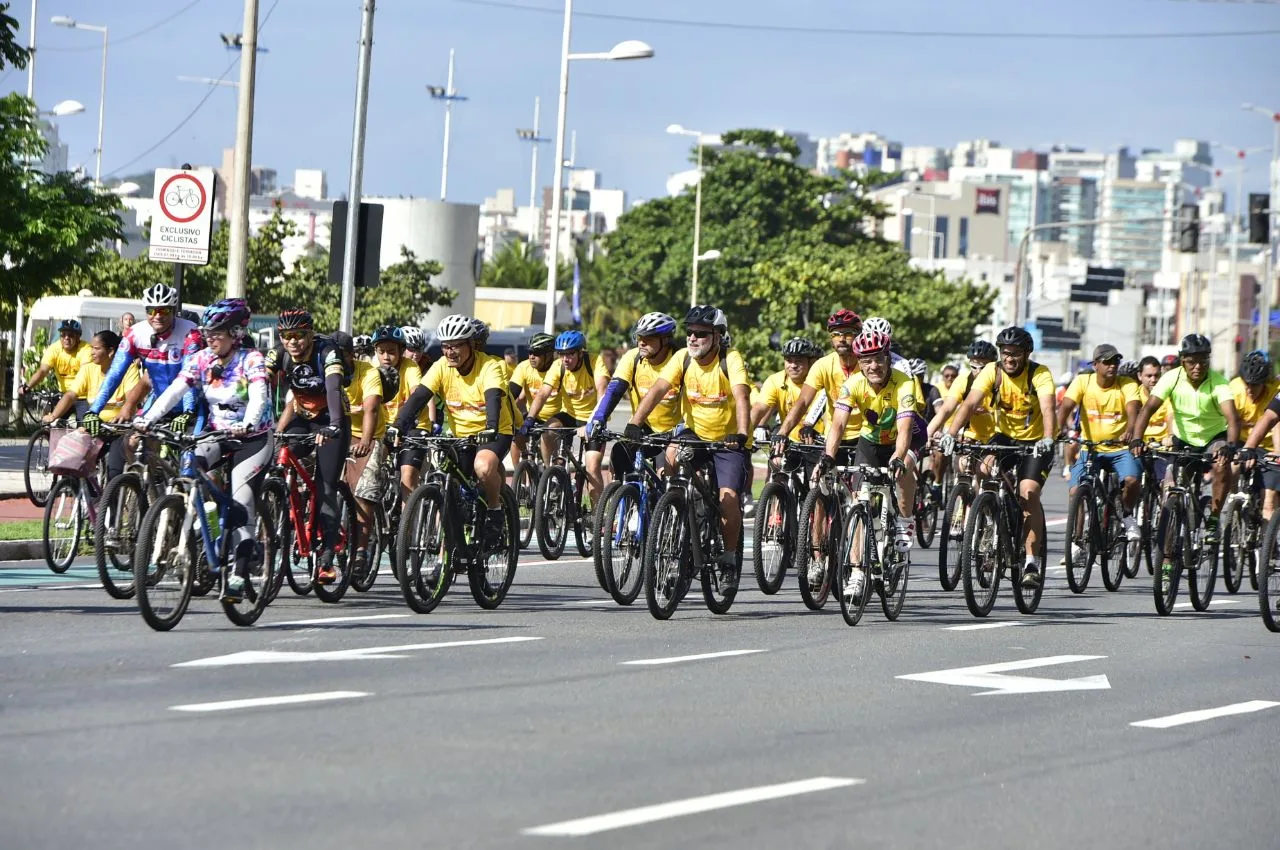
139,34
888,33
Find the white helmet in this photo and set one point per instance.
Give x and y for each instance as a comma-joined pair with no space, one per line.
160,295
455,328
878,324
414,339
655,324
917,368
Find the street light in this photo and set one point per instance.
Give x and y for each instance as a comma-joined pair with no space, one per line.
72,23
1240,155
1273,231
678,130
65,108
532,137
448,94
933,218
621,51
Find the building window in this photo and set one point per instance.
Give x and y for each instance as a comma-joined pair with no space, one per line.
906,233
941,228
962,248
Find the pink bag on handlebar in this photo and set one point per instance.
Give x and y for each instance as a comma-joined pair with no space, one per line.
73,452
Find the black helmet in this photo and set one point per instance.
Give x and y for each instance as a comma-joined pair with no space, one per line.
541,342
801,347
1017,337
982,350
706,315
1193,345
1255,368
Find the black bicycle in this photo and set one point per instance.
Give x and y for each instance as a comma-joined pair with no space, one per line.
1242,529
1095,526
622,525
563,502
1180,535
963,470
773,546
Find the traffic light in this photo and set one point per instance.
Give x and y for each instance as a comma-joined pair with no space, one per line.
1189,229
1259,218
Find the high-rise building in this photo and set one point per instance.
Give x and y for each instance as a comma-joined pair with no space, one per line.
859,152
55,156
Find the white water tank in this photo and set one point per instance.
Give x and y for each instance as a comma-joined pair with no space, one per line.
440,231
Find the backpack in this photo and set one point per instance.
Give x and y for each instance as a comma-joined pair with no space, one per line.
1032,366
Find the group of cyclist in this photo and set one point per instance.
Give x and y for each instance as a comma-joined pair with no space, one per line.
861,403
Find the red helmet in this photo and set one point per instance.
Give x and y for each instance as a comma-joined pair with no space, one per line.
870,343
844,319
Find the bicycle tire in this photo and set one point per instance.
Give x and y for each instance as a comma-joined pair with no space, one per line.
1202,579
720,585
553,512
598,524
1234,547
276,501
773,543
954,514
119,515
583,518
35,474
851,608
157,558
621,545
1269,575
1149,505
500,563
256,594
1165,586
1082,530
525,484
927,512
62,511
1028,598
333,592
815,587
667,555
375,545
1114,546
420,540
894,575
981,555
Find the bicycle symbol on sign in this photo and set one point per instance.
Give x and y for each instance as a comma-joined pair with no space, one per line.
182,195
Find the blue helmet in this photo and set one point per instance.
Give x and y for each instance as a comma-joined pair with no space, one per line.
389,333
571,341
70,326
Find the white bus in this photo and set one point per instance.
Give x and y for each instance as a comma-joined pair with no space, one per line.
94,314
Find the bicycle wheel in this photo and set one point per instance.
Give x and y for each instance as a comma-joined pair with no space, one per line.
927,511
1202,575
720,583
163,572
36,475
599,522
1028,598
63,524
773,543
424,560
1148,512
1269,575
1082,533
525,484
980,555
490,577
342,550
951,542
894,573
854,555
1169,538
667,555
115,535
553,512
813,548
583,516
261,577
375,544
275,512
1235,547
1113,545
621,544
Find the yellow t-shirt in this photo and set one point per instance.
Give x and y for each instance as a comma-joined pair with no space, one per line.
1251,411
365,382
463,395
640,376
531,381
88,381
781,393
1017,413
1103,417
707,400
598,367
982,425
828,374
1158,424
577,390
66,366
881,409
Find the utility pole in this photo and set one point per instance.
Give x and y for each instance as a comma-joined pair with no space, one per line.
238,202
347,318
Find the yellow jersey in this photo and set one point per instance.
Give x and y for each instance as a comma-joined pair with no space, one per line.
66,365
463,395
781,393
531,381
577,390
982,425
365,382
1251,411
1017,405
640,375
88,381
1158,424
707,400
1104,411
829,374
881,409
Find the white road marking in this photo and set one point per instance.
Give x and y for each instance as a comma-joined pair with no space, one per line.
653,662
324,621
1060,521
1205,714
1212,602
990,676
560,561
259,702
974,627
272,656
52,587
691,806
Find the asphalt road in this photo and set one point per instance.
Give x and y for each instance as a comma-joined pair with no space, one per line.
531,726
13,458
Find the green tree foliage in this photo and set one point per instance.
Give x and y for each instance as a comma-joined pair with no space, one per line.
517,266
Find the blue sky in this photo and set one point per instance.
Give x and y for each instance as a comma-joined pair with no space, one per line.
919,90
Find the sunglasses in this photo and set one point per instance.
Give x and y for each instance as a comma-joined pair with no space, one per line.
700,334
1114,361
160,311
295,336
840,334
452,346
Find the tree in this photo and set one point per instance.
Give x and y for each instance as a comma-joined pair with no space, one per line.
517,266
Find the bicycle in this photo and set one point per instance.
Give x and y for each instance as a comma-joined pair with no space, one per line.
819,515
382,524
1269,565
35,473
960,496
1095,523
441,532
524,482
70,512
773,545
928,507
1242,530
865,545
686,539
296,519
992,543
169,548
1146,511
626,510
1180,536
560,504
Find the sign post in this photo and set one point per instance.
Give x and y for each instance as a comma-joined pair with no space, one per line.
182,224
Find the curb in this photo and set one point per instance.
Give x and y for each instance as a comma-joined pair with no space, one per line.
21,550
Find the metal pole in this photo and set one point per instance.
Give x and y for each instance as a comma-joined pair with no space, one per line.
31,48
1273,210
1235,226
535,230
102,110
348,310
448,114
697,227
238,202
553,256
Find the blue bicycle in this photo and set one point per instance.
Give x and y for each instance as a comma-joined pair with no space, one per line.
169,548
624,520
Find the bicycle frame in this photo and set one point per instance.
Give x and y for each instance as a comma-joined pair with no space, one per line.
288,467
200,487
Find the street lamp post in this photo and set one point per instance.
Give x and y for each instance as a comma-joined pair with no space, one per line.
1241,154
1273,228
933,218
71,23
677,130
347,303
448,94
532,137
622,51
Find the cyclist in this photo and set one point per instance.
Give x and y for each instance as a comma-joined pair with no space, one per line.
395,367
1168,363
781,391
715,393
1109,406
827,375
314,371
159,344
949,374
575,385
415,345
365,392
63,358
1203,417
363,346
527,379
982,425
1253,391
1266,435
886,399
634,375
476,402
930,398
1021,392
232,378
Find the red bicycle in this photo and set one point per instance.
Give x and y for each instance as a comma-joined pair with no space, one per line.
290,483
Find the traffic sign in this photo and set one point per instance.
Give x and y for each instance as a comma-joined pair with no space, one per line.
182,223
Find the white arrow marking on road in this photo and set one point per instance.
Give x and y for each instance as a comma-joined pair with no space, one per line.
271,656
974,627
990,676
259,702
653,662
1205,714
691,806
325,621
1211,603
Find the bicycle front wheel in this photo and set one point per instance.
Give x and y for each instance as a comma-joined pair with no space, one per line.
36,475
927,511
584,534
719,582
951,542
622,544
343,550
1169,543
773,543
260,577
667,555
854,553
63,524
600,526
163,573
814,548
490,576
553,512
1203,577
1082,538
424,568
980,555
120,510
1235,547
1028,598
1113,545
1269,575
375,544
525,484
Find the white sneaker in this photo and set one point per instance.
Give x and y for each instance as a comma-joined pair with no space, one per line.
1131,531
903,531
1078,554
750,510
853,588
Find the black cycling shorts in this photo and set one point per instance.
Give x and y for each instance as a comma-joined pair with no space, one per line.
1030,467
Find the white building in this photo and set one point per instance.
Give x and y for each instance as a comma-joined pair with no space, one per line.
55,156
859,152
310,183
